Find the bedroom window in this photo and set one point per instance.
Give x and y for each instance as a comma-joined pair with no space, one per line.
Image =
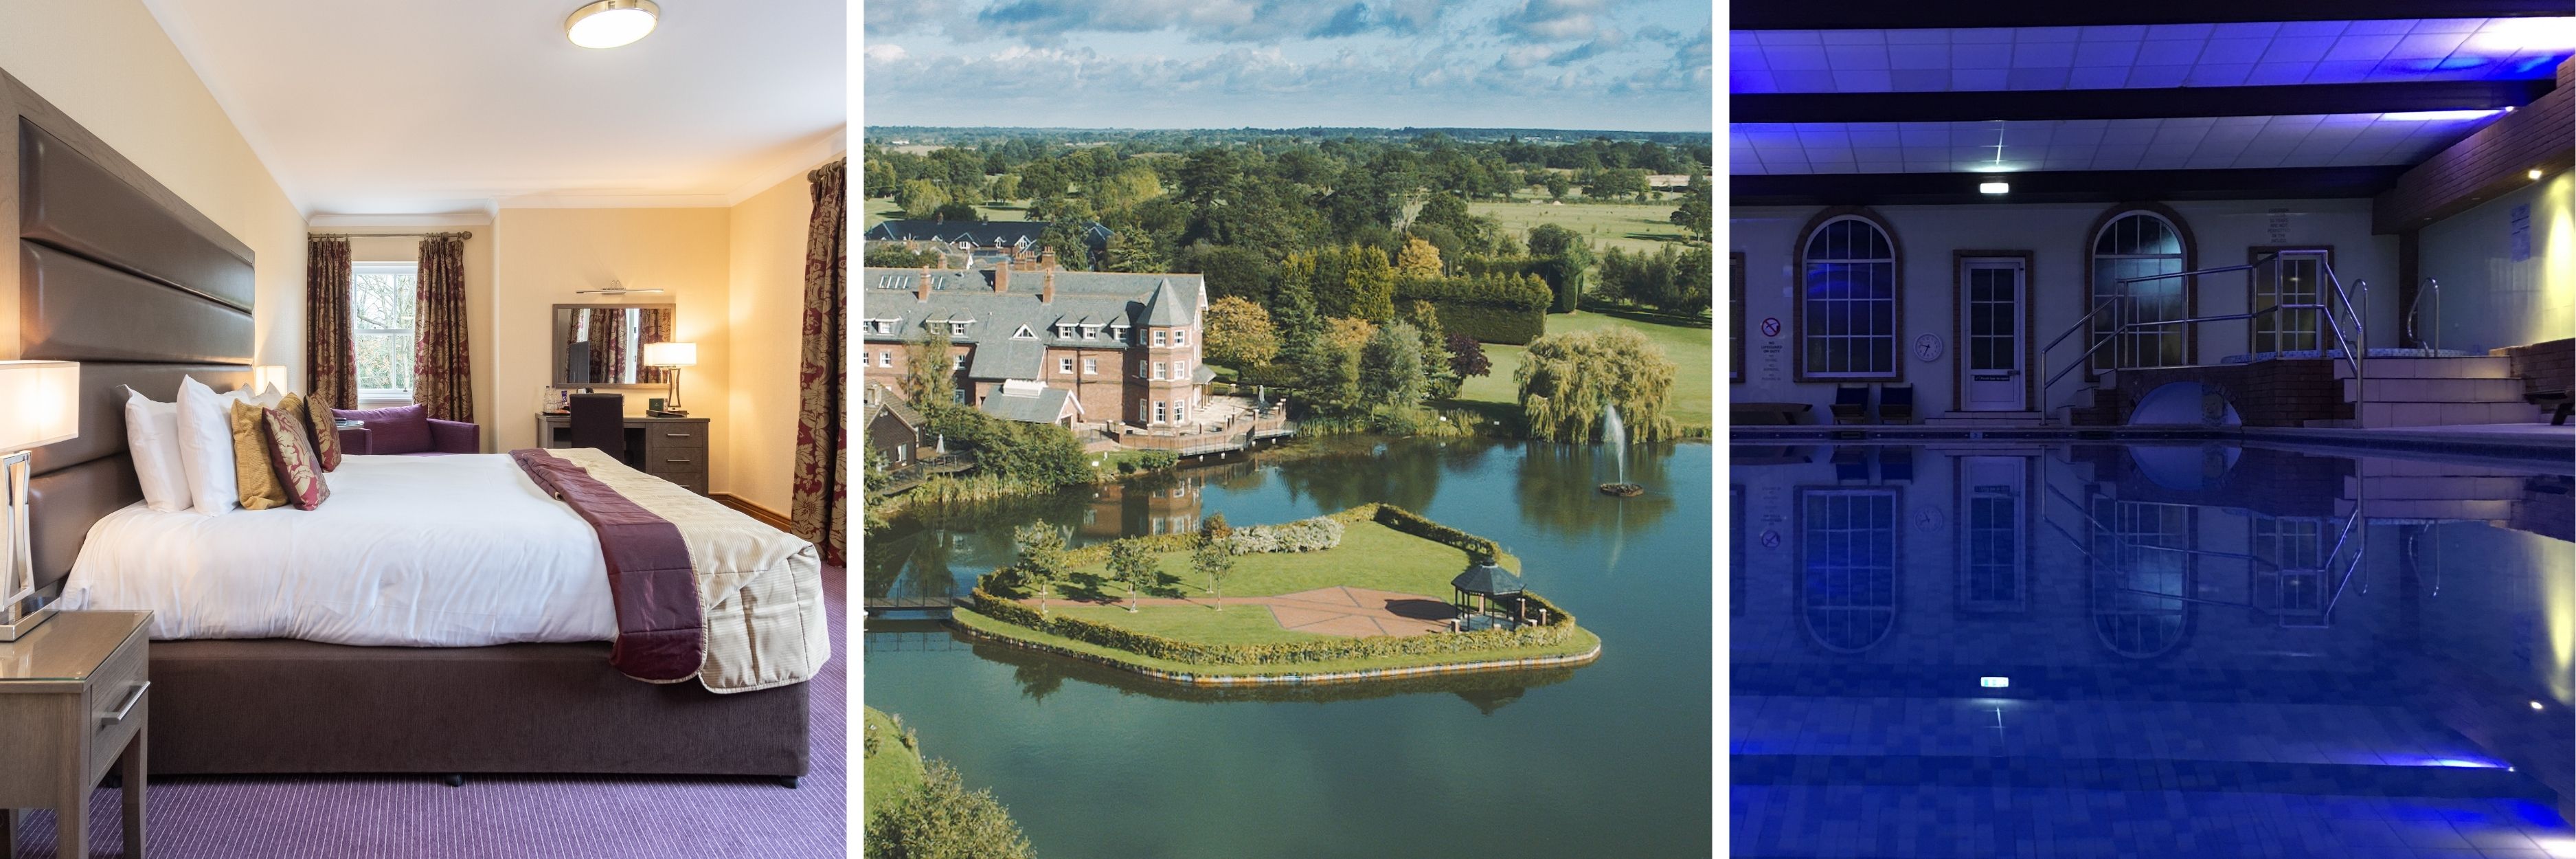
1090,366
1064,365
383,305
885,358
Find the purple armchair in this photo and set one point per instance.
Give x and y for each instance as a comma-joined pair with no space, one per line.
406,431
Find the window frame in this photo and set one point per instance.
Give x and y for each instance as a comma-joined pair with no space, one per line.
411,267
2318,330
1896,297
1894,535
2099,361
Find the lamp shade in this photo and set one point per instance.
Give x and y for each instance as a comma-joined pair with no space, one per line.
265,376
670,354
39,403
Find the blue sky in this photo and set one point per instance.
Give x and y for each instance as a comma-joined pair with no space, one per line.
1637,65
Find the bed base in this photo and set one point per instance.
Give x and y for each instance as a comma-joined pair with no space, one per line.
281,706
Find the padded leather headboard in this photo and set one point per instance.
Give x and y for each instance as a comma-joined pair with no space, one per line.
116,272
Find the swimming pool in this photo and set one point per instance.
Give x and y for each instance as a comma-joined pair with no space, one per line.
2213,650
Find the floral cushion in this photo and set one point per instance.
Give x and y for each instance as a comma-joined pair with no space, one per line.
324,433
299,467
254,473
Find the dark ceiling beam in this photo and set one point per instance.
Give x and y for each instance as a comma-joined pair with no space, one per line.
2062,186
2176,102
1916,14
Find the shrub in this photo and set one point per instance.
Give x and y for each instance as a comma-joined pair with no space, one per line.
1498,307
1304,535
941,819
1557,630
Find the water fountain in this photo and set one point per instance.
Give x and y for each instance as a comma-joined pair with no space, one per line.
1614,433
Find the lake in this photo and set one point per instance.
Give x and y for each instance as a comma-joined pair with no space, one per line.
1611,756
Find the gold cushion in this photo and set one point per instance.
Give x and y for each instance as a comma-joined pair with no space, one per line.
254,470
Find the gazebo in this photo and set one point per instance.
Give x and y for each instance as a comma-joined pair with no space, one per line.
1484,580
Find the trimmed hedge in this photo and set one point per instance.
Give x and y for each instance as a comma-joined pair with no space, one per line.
1492,308
1558,628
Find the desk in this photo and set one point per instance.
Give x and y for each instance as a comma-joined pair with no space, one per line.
674,449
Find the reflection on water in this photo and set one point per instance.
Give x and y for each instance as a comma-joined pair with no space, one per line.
2000,633
1612,753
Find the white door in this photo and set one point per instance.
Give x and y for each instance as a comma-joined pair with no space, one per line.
1994,550
1993,296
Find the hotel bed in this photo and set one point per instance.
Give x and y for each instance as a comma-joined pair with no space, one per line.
436,615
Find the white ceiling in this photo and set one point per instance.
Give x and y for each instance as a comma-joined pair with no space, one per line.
443,106
2328,140
1999,58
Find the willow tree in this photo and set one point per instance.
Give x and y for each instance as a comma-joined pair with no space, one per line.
1567,380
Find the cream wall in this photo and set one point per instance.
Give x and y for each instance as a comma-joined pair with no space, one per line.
2490,300
479,303
108,64
542,256
768,316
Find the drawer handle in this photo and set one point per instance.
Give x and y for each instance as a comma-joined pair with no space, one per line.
676,435
680,461
131,698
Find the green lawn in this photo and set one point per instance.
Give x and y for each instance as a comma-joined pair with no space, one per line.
883,208
1371,556
1691,346
893,771
1633,226
1582,641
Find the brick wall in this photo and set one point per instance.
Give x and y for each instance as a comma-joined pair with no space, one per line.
2547,366
2486,164
2278,393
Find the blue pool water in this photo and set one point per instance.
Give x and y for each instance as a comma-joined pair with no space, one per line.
2105,650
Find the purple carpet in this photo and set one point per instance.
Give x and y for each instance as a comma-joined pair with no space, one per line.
397,817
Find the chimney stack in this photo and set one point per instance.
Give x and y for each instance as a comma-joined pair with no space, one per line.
1002,278
921,291
1046,259
1046,293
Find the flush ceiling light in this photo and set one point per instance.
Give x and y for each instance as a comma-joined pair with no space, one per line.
2437,115
611,23
2535,175
2511,35
1994,186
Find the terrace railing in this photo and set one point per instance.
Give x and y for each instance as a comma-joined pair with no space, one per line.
2333,305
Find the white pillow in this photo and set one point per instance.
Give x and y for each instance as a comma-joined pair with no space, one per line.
206,446
270,397
152,433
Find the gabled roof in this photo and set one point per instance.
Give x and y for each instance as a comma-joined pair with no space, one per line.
1105,299
1044,408
1005,358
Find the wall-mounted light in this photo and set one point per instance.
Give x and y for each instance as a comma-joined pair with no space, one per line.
1994,186
612,23
2534,173
615,288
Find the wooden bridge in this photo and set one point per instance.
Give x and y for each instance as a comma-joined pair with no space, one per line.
942,602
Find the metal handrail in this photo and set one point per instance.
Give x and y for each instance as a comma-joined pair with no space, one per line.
2416,311
2352,345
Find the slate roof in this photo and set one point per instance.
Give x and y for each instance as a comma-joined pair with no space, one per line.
1168,308
989,234
1043,408
1487,578
1101,299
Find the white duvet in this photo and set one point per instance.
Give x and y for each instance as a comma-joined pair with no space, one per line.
437,551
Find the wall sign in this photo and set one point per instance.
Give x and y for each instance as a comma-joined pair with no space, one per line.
1770,326
1770,539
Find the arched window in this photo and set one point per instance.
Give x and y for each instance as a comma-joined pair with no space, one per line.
2142,573
2141,244
1847,301
1847,566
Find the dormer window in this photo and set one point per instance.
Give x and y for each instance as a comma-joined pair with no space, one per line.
1118,332
956,328
1024,334
1090,332
1063,330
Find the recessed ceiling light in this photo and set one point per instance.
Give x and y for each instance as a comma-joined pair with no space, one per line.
1994,682
612,23
2534,173
1994,186
2504,36
2437,115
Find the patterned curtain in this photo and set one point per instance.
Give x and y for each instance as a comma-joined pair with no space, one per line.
330,344
656,328
821,511
440,373
608,347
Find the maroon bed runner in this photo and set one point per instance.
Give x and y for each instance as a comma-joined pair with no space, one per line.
661,634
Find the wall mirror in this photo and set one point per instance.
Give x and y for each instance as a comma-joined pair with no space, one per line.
603,344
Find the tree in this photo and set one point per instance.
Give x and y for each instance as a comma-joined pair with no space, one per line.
919,198
1391,368
1133,565
1467,357
956,211
1042,561
1239,333
1418,258
890,255
1214,558
929,374
1558,185
1567,263
1131,250
1698,210
941,819
1566,380
1329,367
1293,307
1071,244
1370,282
1131,186
1006,187
1425,319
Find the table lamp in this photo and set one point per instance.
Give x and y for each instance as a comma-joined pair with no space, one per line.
39,405
672,356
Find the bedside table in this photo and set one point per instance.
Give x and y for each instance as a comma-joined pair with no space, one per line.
73,701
